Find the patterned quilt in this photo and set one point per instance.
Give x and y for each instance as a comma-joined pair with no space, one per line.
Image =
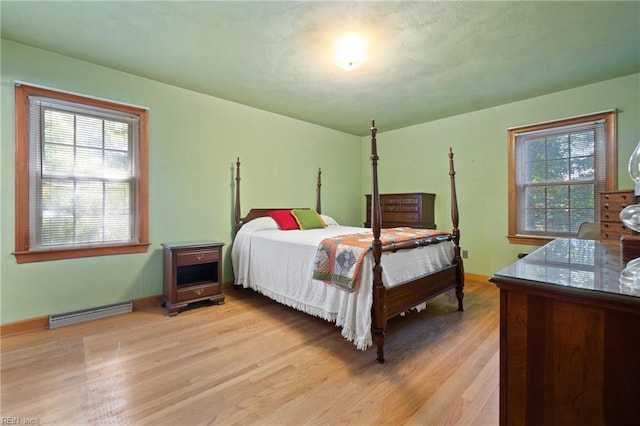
339,258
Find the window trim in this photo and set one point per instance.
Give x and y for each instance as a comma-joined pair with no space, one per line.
611,164
22,252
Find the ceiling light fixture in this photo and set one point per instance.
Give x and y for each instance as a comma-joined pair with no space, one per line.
351,51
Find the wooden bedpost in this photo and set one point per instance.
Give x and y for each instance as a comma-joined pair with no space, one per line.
237,194
319,198
379,314
455,218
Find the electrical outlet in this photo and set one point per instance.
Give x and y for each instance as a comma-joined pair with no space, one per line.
465,254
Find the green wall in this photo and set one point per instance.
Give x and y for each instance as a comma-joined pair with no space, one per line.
193,144
415,159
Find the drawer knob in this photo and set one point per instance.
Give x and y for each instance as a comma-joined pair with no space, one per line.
624,196
199,256
606,216
606,206
198,291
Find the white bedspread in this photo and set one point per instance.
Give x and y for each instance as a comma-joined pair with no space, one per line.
279,264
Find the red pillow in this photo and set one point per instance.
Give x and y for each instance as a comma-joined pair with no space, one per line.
284,219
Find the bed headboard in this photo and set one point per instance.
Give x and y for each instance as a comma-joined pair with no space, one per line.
262,212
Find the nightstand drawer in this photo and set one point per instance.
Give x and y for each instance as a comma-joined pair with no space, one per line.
195,257
197,292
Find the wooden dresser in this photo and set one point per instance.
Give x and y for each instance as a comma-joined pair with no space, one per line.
611,204
569,334
414,209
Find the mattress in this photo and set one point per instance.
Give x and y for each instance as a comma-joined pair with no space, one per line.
279,264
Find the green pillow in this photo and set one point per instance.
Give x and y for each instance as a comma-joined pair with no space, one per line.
308,219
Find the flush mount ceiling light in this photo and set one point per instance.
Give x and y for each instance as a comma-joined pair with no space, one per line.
351,51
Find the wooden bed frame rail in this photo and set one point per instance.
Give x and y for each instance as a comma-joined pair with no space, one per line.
389,302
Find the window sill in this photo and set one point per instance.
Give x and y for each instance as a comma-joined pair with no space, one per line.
73,253
532,241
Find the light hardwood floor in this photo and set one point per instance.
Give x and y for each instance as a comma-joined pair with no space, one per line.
252,361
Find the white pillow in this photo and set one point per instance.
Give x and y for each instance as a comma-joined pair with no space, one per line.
328,220
260,224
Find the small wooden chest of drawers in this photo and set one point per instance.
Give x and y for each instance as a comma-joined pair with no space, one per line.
611,204
192,272
413,209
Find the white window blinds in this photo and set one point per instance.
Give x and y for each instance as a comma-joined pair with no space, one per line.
560,173
83,174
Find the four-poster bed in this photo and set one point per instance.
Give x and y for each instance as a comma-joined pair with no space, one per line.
395,276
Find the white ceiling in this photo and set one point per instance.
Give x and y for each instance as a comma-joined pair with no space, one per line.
429,60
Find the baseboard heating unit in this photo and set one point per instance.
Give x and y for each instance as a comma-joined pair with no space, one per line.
76,317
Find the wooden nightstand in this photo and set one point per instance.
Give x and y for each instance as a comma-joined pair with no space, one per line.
192,272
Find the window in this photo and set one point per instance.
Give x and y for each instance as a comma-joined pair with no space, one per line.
81,176
557,171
